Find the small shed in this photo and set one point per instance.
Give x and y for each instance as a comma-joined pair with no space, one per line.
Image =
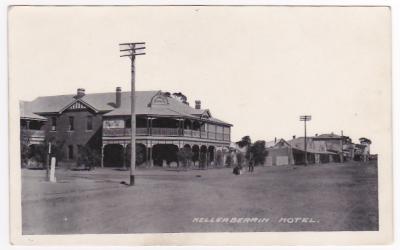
279,154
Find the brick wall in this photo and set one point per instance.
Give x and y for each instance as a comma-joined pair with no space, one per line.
79,135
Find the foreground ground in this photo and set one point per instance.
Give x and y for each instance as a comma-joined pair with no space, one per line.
339,197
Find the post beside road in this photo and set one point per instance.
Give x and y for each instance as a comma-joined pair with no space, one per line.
52,177
48,163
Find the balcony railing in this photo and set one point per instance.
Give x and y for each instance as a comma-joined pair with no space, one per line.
195,133
165,131
33,133
121,132
125,132
32,136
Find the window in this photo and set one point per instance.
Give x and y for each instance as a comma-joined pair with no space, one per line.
70,152
71,123
89,123
53,123
211,127
128,123
79,149
203,127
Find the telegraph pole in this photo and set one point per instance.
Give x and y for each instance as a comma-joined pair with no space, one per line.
305,118
132,50
341,145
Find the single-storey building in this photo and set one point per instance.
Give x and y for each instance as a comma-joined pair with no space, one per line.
292,152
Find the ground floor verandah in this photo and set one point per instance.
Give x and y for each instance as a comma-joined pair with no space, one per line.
163,153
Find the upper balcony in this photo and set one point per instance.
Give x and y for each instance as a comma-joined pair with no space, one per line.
33,136
166,132
166,127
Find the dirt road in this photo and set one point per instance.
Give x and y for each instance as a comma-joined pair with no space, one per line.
330,197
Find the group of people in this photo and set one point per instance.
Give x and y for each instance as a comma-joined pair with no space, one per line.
238,169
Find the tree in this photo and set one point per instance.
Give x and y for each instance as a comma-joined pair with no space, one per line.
39,153
88,157
240,159
56,147
346,140
25,153
185,156
365,140
229,160
180,97
258,152
245,142
24,147
140,154
219,158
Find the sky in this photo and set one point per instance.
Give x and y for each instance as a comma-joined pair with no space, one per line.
258,68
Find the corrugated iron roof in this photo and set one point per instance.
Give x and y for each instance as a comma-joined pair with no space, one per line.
312,146
270,144
105,102
328,136
173,108
26,113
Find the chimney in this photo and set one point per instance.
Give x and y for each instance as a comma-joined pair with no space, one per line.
118,97
275,139
294,137
80,93
197,104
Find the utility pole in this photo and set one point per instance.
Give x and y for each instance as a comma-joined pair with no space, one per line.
305,118
341,145
132,50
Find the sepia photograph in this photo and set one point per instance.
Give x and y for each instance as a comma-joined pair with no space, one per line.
186,120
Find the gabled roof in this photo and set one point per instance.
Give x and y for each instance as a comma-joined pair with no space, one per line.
26,113
54,104
298,142
270,144
78,104
312,146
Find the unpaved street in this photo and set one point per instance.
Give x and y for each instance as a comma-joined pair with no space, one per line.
328,197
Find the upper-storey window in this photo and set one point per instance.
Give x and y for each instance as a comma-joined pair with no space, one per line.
53,123
203,127
71,123
227,130
70,152
89,123
211,127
